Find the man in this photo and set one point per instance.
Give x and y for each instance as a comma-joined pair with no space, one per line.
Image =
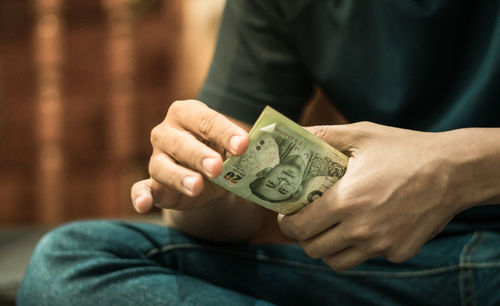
412,221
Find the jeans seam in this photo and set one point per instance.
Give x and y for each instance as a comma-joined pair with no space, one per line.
471,276
465,275
192,246
421,273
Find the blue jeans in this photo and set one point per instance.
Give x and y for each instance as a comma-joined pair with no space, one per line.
120,263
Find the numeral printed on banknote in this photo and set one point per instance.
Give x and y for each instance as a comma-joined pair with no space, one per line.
284,168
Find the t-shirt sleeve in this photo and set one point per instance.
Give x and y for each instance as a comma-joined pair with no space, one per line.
255,64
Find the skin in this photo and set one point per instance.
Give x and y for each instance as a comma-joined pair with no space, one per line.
189,146
400,189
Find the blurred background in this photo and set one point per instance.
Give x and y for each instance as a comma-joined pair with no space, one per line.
82,83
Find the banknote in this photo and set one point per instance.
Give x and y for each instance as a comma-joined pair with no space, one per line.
284,168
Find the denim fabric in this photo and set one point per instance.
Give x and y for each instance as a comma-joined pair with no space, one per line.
120,263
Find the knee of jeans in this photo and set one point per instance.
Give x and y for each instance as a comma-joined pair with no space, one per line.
51,264
66,239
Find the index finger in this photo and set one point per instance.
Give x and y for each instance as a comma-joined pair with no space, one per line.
196,117
313,219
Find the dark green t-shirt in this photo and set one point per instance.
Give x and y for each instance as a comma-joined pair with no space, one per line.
431,65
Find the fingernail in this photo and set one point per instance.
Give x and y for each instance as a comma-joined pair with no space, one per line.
234,143
138,199
139,203
188,183
208,165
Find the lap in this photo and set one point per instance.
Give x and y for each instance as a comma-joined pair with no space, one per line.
111,262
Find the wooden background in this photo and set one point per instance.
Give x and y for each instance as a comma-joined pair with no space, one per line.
82,83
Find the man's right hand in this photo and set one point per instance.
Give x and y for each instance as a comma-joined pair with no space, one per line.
188,146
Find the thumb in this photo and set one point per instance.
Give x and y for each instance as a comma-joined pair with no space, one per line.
343,137
144,194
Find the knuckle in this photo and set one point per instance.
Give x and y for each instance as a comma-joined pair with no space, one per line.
179,109
347,198
352,201
155,135
311,250
380,246
175,108
174,148
320,131
346,206
293,228
207,124
361,233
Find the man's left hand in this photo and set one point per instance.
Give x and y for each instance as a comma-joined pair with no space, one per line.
395,195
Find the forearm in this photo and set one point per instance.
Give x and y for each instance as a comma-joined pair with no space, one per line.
228,219
474,154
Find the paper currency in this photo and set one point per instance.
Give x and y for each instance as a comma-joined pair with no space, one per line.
284,168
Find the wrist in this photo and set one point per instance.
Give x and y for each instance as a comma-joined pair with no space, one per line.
227,219
472,159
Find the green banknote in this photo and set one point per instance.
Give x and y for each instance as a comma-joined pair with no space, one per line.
284,168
